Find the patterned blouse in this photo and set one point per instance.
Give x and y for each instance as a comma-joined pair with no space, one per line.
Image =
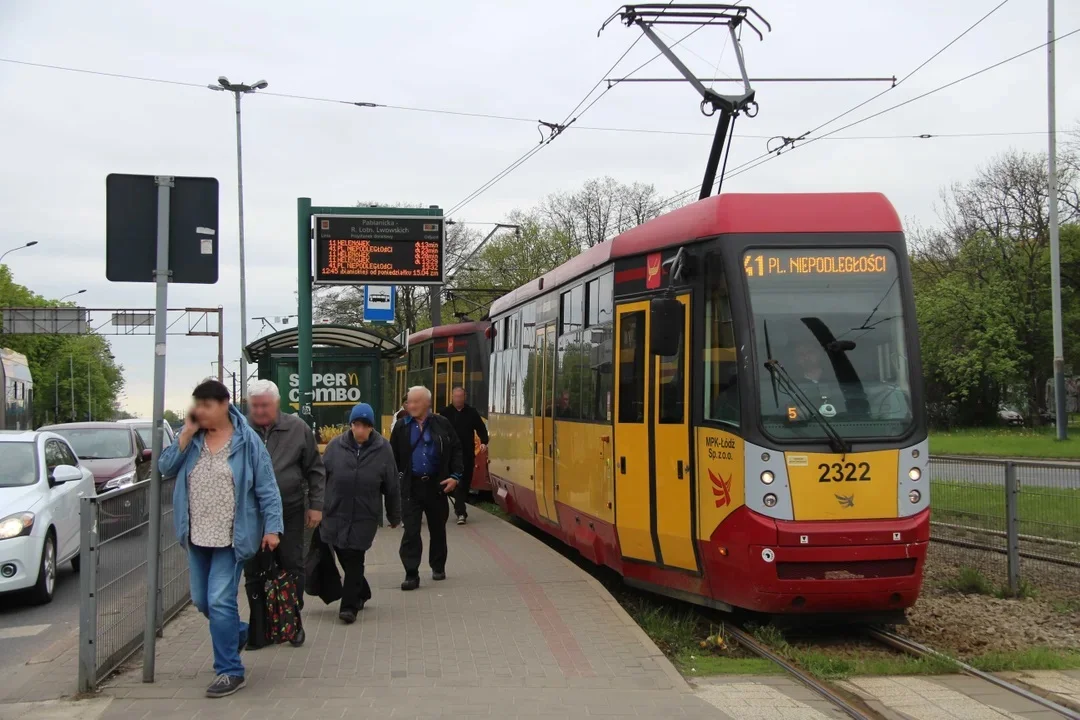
212,498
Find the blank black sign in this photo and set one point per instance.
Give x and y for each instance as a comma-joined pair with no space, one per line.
131,229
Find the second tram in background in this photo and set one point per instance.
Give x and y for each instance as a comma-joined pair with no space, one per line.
441,359
724,405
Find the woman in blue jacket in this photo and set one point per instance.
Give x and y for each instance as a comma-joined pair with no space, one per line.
226,505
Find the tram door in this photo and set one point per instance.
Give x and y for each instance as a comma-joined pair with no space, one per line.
652,443
544,422
449,373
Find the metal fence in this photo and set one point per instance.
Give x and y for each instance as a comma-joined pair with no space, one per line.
113,576
1016,523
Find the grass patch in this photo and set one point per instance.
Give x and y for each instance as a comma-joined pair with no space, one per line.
1005,442
1035,658
969,581
494,509
694,664
1044,511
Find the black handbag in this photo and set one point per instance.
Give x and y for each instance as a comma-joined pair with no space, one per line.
260,569
321,577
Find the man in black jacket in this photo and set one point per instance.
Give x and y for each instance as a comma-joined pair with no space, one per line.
466,421
428,456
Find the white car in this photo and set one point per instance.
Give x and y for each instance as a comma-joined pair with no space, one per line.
145,428
41,486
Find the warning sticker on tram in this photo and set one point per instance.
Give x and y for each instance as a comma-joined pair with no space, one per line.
788,262
378,249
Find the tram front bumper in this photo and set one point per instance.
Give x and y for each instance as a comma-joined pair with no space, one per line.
812,567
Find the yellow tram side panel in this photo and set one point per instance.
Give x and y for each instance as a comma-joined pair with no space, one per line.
584,468
511,448
386,420
721,482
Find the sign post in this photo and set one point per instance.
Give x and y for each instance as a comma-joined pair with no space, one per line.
360,246
181,214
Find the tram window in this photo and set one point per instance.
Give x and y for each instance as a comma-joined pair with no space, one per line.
605,297
592,301
721,362
672,410
525,373
632,368
568,384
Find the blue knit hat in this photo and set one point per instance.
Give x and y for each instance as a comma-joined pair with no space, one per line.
362,411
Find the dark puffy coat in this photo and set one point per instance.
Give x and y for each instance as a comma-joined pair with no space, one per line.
451,461
358,477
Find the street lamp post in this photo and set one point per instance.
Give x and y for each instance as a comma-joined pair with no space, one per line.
32,243
77,292
238,90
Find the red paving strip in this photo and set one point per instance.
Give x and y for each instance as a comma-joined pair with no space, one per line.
560,640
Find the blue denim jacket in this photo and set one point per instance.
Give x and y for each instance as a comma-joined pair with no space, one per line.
258,500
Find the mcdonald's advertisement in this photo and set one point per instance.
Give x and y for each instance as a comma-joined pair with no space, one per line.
338,384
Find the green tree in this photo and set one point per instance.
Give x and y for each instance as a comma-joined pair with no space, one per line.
61,364
172,417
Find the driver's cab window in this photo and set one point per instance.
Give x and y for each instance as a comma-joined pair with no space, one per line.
721,360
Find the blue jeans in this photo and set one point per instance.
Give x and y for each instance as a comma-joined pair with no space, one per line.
215,582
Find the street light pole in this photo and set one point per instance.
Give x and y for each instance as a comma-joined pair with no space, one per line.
77,292
32,243
238,90
1062,417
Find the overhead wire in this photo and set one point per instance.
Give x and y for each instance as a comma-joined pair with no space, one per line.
790,143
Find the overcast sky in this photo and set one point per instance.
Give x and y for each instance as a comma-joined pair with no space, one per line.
61,133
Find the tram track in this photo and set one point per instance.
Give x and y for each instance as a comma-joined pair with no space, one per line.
751,644
903,644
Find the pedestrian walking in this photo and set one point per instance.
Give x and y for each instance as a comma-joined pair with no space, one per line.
428,456
360,477
226,505
467,422
298,467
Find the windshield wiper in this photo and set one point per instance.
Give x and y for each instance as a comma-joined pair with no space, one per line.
779,374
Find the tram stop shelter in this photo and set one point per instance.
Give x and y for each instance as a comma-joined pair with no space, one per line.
346,364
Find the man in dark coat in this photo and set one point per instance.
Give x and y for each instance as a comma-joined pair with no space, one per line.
360,477
298,469
466,421
428,455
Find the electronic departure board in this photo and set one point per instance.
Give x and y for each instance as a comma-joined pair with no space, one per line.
815,262
379,249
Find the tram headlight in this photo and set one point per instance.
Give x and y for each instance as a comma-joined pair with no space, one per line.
764,457
767,477
914,496
914,473
915,453
770,500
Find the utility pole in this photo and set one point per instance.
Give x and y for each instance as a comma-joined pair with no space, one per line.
71,371
1061,416
238,90
221,346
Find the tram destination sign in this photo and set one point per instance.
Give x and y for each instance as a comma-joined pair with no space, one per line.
815,262
379,249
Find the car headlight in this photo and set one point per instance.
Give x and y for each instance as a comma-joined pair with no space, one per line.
15,525
121,481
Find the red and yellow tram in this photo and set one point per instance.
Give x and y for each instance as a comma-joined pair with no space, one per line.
724,405
441,359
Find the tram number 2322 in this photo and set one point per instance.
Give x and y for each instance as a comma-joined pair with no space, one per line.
844,472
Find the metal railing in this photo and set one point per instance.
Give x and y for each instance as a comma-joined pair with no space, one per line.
1016,523
112,577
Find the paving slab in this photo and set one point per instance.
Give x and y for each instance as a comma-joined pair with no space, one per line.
948,697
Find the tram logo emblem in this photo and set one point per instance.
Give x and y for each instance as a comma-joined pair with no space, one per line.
721,489
846,501
652,271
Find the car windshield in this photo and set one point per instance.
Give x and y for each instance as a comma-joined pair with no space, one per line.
98,443
18,464
833,319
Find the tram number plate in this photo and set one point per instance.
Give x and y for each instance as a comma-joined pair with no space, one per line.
844,472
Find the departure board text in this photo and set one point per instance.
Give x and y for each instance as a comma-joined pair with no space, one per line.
378,249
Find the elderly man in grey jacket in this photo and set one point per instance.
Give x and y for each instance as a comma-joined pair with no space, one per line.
298,467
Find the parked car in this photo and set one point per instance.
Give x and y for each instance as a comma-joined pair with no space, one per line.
145,428
1009,416
113,452
41,484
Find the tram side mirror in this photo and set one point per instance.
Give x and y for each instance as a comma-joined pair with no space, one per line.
667,322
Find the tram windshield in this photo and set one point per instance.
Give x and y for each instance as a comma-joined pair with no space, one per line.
834,320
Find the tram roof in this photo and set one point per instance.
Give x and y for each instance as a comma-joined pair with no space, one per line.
727,214
344,336
448,331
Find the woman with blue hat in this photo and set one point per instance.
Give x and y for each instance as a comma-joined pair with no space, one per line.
360,476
